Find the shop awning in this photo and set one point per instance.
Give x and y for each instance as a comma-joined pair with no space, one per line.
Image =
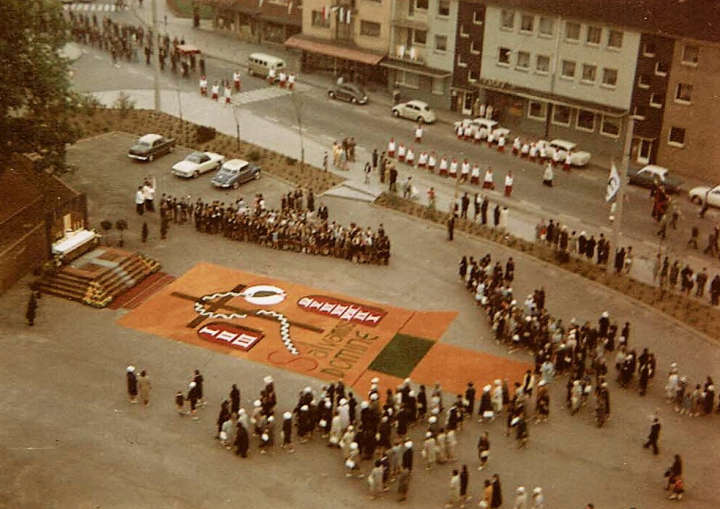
416,69
410,23
332,50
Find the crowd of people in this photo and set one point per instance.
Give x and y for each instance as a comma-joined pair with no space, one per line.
296,226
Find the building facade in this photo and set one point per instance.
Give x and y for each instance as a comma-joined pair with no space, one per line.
267,21
468,57
422,49
347,38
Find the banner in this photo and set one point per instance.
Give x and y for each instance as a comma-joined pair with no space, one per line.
613,185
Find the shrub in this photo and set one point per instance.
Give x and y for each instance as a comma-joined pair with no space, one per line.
254,155
291,161
124,104
204,133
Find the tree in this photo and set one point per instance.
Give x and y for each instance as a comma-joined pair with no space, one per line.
35,96
298,105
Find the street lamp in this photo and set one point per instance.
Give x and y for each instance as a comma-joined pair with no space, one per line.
236,116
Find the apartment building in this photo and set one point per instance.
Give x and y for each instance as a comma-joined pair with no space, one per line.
688,141
259,22
422,49
345,37
468,56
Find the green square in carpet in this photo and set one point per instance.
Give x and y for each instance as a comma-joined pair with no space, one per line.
401,355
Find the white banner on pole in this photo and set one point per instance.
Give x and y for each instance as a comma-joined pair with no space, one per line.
613,185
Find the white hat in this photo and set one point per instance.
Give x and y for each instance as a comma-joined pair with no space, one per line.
576,382
537,490
130,369
193,385
482,504
343,401
521,490
257,403
513,303
375,380
428,434
408,444
406,381
432,419
516,337
307,390
304,408
487,388
268,379
497,381
411,394
328,404
435,411
605,314
374,396
287,415
541,383
354,445
241,411
364,404
271,419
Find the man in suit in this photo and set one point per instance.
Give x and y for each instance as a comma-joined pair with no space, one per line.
653,436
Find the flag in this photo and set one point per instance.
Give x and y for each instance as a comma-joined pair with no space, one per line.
341,14
326,12
347,17
613,185
290,8
260,2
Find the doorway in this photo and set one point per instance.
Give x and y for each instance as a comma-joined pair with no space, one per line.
644,151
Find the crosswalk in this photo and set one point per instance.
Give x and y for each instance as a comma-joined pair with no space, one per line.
259,94
88,7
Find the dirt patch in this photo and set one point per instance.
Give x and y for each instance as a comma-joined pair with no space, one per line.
691,312
139,122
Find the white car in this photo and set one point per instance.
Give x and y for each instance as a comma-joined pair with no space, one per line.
196,163
698,194
577,157
490,126
415,110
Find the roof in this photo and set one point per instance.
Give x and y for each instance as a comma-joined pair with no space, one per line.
424,70
17,191
328,48
569,145
235,163
693,19
654,168
149,138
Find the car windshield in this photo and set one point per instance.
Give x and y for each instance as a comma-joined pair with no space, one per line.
358,90
143,143
196,157
230,171
426,107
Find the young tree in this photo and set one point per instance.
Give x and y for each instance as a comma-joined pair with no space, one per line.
35,96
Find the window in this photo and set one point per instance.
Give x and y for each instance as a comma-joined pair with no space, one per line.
504,56
545,26
473,76
421,4
527,22
690,55
640,112
676,137
585,120
408,79
523,60
420,36
473,49
444,8
441,42
609,78
615,39
593,35
572,31
318,20
589,73
478,17
656,100
649,49
507,19
644,81
438,86
561,115
542,64
369,28
464,33
610,127
568,69
683,93
661,68
537,110
460,63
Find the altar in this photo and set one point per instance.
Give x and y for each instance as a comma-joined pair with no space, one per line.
74,244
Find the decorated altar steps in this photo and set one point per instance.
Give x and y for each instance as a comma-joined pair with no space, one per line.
98,277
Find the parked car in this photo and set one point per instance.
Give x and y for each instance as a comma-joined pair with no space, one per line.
415,110
577,157
235,172
196,163
348,92
148,147
646,177
698,194
490,125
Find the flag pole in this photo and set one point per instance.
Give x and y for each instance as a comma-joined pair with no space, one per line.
620,196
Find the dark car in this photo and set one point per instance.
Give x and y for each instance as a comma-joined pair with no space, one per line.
648,175
148,147
235,172
348,92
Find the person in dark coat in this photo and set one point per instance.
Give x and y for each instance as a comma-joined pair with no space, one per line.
242,441
451,226
496,492
421,403
31,309
132,385
192,397
407,457
496,215
590,247
198,379
483,211
223,416
470,399
464,479
653,436
619,259
234,399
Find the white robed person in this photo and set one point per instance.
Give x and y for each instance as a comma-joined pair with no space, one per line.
429,452
548,175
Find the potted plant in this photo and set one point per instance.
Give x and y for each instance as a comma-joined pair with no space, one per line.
121,225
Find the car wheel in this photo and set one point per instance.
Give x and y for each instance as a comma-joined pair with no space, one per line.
257,175
396,113
151,157
235,185
696,200
171,149
353,100
331,94
196,174
419,119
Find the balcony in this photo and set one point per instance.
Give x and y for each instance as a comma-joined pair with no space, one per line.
411,54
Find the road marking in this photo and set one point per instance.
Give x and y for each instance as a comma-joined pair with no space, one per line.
259,94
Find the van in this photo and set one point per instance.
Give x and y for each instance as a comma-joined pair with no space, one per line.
259,64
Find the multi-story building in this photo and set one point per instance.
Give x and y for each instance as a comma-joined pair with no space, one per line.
688,141
422,49
345,37
468,56
558,76
258,21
